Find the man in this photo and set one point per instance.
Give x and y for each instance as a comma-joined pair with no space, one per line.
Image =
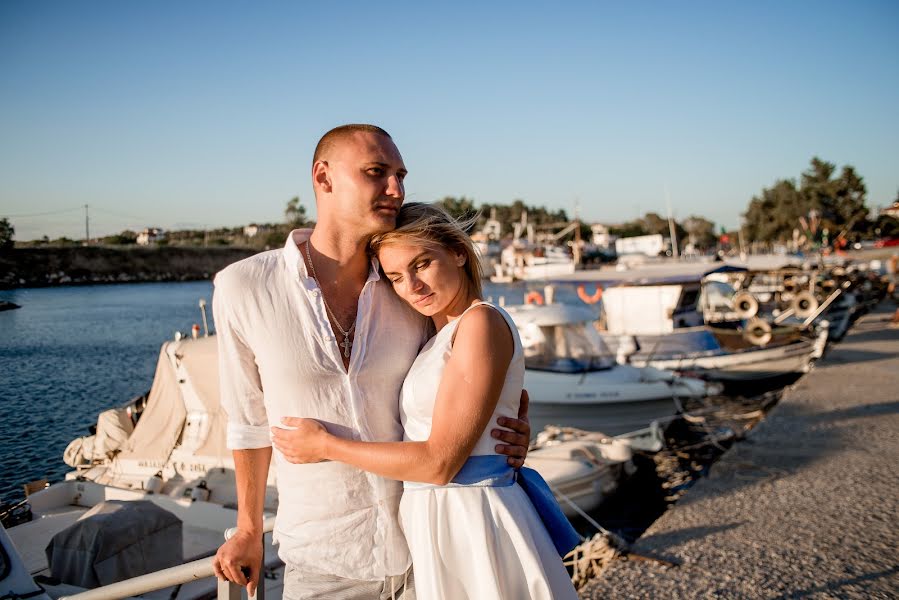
311,330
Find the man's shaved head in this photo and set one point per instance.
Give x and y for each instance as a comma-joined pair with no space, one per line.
339,134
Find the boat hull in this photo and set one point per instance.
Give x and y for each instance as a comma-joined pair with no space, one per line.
613,418
614,401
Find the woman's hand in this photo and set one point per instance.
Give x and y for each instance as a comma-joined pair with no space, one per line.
301,441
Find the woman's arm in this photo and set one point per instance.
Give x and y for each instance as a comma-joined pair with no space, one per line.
467,396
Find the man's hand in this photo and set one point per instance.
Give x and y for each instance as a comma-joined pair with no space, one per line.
301,441
239,555
516,440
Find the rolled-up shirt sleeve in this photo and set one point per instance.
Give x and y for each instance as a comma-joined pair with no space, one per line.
239,381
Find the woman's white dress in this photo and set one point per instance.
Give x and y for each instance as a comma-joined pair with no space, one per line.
477,543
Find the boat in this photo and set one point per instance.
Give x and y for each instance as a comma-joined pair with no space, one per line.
529,262
703,334
15,579
687,317
574,381
166,448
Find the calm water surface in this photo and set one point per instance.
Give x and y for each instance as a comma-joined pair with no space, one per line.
71,352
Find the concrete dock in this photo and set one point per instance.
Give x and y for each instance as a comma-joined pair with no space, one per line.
806,507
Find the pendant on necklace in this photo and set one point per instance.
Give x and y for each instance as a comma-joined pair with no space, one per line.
346,344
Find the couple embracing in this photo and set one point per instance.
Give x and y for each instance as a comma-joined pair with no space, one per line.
362,358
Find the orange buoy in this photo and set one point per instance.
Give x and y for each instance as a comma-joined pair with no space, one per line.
582,294
533,298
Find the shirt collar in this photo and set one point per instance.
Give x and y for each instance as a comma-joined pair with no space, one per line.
297,266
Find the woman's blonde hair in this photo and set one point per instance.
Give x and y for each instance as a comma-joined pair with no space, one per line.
429,225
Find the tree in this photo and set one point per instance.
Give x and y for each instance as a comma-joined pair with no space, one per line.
628,229
839,200
7,234
836,201
509,214
124,238
295,213
458,208
700,231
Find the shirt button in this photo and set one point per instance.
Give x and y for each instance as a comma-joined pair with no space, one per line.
315,293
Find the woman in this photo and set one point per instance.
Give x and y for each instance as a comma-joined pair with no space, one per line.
471,531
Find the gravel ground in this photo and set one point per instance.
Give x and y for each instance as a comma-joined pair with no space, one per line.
806,507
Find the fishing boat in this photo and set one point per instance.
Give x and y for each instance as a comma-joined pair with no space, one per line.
687,317
574,381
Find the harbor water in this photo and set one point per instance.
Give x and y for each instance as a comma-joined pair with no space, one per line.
71,352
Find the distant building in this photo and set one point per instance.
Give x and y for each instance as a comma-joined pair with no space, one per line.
150,236
891,211
253,229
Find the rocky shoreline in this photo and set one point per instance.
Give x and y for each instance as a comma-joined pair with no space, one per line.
44,267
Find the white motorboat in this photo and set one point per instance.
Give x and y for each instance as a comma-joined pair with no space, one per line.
15,578
662,326
529,263
573,381
684,317
167,448
70,504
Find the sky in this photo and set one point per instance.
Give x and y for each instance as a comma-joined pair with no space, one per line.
205,114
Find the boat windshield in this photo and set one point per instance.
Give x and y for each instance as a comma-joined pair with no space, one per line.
568,348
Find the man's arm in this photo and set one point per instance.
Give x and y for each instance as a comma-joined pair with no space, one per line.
244,549
242,400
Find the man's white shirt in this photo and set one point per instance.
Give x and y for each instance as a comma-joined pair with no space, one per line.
279,357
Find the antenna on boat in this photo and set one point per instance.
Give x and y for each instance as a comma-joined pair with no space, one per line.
203,312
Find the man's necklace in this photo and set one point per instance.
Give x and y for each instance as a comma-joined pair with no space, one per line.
346,344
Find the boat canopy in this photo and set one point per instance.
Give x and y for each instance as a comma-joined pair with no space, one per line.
651,274
183,407
560,338
642,310
551,314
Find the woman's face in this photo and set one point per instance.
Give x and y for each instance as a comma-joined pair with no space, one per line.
431,280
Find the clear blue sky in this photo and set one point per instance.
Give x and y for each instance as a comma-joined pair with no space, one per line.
190,114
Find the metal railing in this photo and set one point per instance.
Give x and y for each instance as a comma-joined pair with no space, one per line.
186,573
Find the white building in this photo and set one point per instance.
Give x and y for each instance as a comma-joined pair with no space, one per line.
150,235
252,230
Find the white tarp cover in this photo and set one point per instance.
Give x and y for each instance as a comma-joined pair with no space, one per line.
114,427
116,540
159,427
640,310
200,359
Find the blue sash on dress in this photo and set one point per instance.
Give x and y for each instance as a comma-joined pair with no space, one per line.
494,471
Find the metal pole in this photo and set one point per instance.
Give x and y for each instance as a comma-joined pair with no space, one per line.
671,230
87,226
203,312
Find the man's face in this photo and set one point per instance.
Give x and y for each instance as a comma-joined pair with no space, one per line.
366,175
